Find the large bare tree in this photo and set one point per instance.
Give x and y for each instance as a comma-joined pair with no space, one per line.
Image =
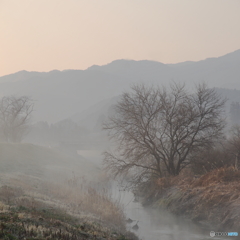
15,114
156,130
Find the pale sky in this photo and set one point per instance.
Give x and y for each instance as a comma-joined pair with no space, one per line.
42,35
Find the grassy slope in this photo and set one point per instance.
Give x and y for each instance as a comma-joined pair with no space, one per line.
44,223
41,197
38,161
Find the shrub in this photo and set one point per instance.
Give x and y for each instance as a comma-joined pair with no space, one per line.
210,159
224,174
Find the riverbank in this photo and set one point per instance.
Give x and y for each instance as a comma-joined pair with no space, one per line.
19,222
212,200
27,214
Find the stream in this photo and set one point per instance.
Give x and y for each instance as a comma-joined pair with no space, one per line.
158,225
155,224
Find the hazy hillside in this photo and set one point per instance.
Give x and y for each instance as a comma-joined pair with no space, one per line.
222,72
85,127
41,162
60,94
94,116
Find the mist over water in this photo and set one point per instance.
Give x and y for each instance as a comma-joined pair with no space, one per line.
153,224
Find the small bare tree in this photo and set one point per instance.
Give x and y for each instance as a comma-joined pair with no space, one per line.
156,130
15,114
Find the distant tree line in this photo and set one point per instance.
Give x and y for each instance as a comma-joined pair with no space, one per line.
51,134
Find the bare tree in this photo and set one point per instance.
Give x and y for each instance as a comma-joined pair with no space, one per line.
156,130
15,114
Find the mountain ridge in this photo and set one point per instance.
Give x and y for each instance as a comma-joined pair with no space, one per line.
236,52
60,94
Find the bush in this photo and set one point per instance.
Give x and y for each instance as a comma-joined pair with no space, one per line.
211,159
224,174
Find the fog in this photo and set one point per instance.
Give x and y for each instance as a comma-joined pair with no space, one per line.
119,120
63,148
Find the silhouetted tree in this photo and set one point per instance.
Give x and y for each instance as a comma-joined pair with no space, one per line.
157,129
15,113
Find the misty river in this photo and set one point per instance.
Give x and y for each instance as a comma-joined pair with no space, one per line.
158,225
153,224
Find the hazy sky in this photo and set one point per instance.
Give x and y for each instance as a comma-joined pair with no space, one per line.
42,35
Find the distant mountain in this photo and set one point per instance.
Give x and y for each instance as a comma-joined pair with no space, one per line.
141,71
60,94
221,72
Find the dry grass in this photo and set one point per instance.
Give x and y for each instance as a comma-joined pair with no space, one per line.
3,207
224,174
213,197
38,184
24,223
76,196
185,177
86,197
